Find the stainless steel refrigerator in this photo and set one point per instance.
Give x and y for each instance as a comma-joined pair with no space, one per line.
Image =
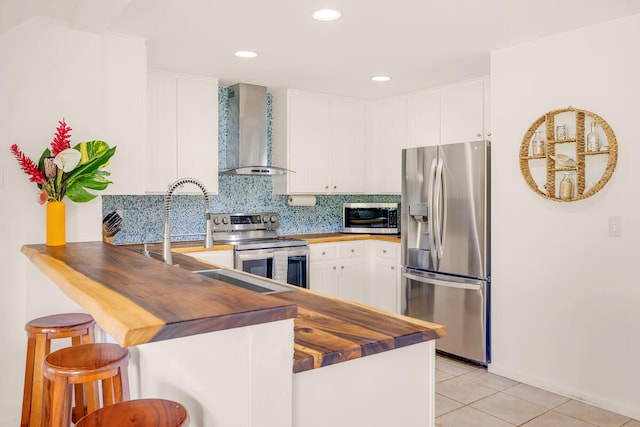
445,233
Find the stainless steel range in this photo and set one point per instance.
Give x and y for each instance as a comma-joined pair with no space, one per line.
258,250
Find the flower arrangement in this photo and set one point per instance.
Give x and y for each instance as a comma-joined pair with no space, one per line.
66,171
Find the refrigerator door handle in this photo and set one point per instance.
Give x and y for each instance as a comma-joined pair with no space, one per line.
431,228
441,205
438,282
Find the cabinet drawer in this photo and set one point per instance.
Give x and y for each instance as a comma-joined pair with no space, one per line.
351,250
319,252
386,250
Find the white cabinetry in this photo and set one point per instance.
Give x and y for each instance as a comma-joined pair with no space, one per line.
365,271
322,139
387,137
385,275
221,258
463,112
182,130
323,266
339,269
423,119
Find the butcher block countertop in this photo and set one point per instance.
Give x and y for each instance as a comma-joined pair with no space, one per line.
137,299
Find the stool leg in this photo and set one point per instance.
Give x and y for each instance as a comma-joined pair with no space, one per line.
93,397
58,406
79,410
42,348
121,385
91,391
28,383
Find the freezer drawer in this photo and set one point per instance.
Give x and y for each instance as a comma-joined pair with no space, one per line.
461,305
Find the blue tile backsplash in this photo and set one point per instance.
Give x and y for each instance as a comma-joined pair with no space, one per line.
143,215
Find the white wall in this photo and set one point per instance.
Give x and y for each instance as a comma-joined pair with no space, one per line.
98,84
566,296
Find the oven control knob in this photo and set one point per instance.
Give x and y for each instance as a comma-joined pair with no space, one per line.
216,220
265,219
225,220
273,218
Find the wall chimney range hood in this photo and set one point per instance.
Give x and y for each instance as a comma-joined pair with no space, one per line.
247,152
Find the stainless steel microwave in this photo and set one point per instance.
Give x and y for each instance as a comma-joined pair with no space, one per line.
371,218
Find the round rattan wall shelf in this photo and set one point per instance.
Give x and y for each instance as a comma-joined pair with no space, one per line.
548,153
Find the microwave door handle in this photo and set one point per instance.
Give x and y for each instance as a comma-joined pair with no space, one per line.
430,213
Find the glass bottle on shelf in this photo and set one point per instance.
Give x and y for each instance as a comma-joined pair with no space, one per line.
593,139
566,187
538,145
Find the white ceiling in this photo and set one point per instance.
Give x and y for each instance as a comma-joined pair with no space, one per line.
420,43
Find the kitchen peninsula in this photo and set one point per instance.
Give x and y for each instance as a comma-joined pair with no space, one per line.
237,357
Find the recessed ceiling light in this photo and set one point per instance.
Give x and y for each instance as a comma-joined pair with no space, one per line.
246,54
326,15
380,78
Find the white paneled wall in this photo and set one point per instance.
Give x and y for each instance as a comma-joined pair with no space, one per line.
565,294
98,84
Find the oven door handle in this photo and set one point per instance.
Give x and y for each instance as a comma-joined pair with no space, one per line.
246,256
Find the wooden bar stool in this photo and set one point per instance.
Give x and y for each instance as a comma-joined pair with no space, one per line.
77,326
138,413
89,365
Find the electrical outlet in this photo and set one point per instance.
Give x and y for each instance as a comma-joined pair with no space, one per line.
615,226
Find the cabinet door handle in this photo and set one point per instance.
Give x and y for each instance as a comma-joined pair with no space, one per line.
334,267
342,267
478,135
324,253
353,250
384,251
393,268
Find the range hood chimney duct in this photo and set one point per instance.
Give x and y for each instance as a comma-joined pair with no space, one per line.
247,152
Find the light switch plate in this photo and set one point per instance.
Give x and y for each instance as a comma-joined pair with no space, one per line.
615,226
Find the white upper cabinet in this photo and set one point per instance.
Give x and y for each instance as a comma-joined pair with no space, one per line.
385,141
424,119
182,131
463,112
321,138
348,146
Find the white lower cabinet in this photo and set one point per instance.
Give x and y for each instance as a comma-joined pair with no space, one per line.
339,269
323,265
223,258
364,271
385,275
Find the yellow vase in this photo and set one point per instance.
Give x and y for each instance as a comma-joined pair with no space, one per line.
56,224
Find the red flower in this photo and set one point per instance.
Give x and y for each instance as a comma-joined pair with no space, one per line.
28,166
62,139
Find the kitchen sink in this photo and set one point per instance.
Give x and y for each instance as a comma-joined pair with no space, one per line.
246,281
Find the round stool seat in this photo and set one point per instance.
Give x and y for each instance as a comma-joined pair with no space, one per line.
86,360
138,413
59,324
88,365
40,332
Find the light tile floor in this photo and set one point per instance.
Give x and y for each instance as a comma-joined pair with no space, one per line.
468,395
